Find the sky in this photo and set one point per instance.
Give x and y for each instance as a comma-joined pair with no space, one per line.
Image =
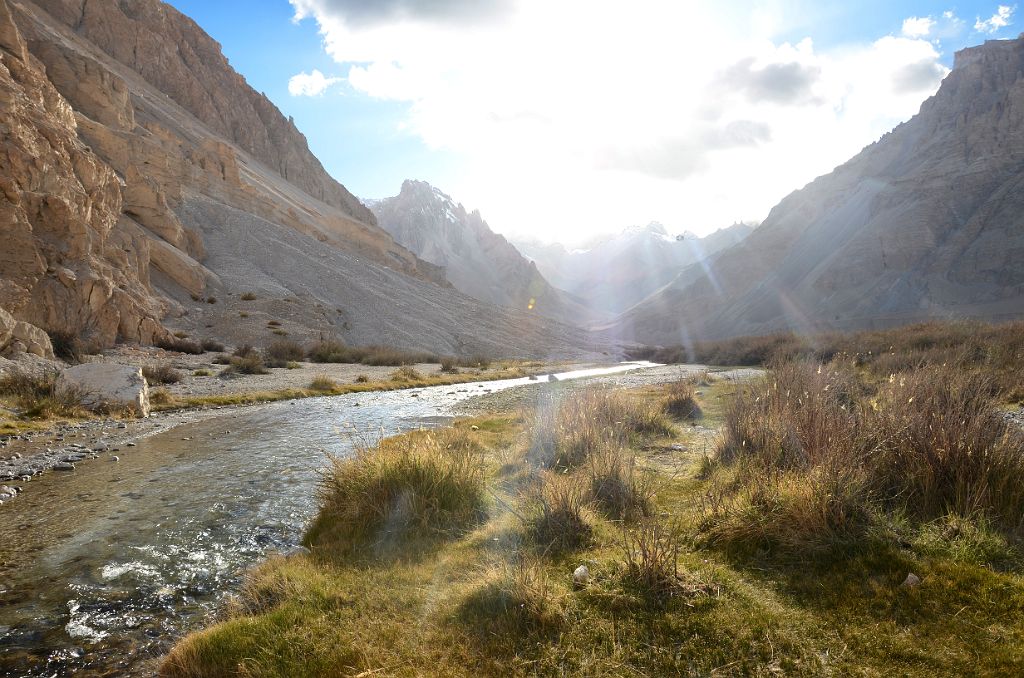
563,119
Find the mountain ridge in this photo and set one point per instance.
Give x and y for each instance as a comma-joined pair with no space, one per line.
924,223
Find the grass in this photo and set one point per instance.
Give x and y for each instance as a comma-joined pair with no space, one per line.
322,382
248,296
40,397
780,549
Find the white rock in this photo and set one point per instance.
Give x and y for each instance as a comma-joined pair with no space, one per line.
911,580
107,385
581,576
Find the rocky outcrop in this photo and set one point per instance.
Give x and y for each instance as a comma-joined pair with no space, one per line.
17,337
616,273
927,222
65,264
108,387
476,260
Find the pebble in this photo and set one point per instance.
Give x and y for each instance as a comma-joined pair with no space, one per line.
911,581
131,444
115,458
581,576
64,466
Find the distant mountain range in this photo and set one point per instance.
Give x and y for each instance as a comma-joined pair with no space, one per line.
616,273
928,222
476,260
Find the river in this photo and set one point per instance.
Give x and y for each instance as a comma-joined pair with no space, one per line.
102,569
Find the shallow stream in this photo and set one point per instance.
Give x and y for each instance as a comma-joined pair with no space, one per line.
102,569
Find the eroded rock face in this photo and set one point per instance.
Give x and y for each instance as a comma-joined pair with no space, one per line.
64,264
107,386
17,336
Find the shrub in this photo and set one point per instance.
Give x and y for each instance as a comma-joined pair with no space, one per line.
250,364
180,345
181,335
67,346
328,352
406,373
202,373
160,396
449,365
273,323
212,346
222,359
243,314
248,296
279,333
558,522
362,379
279,353
161,374
38,396
332,351
244,351
414,485
322,382
211,300
292,365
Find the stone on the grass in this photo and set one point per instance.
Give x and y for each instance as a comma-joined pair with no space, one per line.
911,581
581,576
108,386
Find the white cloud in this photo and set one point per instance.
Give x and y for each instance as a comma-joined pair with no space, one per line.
1001,19
310,84
574,117
918,27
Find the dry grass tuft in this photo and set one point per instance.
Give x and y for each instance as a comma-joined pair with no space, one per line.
558,521
161,374
322,382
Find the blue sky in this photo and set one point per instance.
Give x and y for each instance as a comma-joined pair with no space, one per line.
559,120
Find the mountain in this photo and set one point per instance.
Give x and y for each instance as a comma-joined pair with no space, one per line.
476,260
613,274
148,188
927,222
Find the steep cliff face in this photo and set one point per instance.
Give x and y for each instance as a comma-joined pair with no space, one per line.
179,59
927,222
614,274
67,260
476,260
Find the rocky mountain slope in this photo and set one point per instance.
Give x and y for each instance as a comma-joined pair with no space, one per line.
614,274
927,222
476,260
128,137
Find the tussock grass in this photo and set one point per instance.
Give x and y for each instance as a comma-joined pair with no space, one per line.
406,374
212,346
517,599
161,374
322,382
332,351
617,486
817,455
559,521
418,485
681,401
568,431
250,363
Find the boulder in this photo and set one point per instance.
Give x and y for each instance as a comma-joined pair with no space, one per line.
109,386
21,337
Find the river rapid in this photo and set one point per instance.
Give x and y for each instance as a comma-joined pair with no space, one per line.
102,569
